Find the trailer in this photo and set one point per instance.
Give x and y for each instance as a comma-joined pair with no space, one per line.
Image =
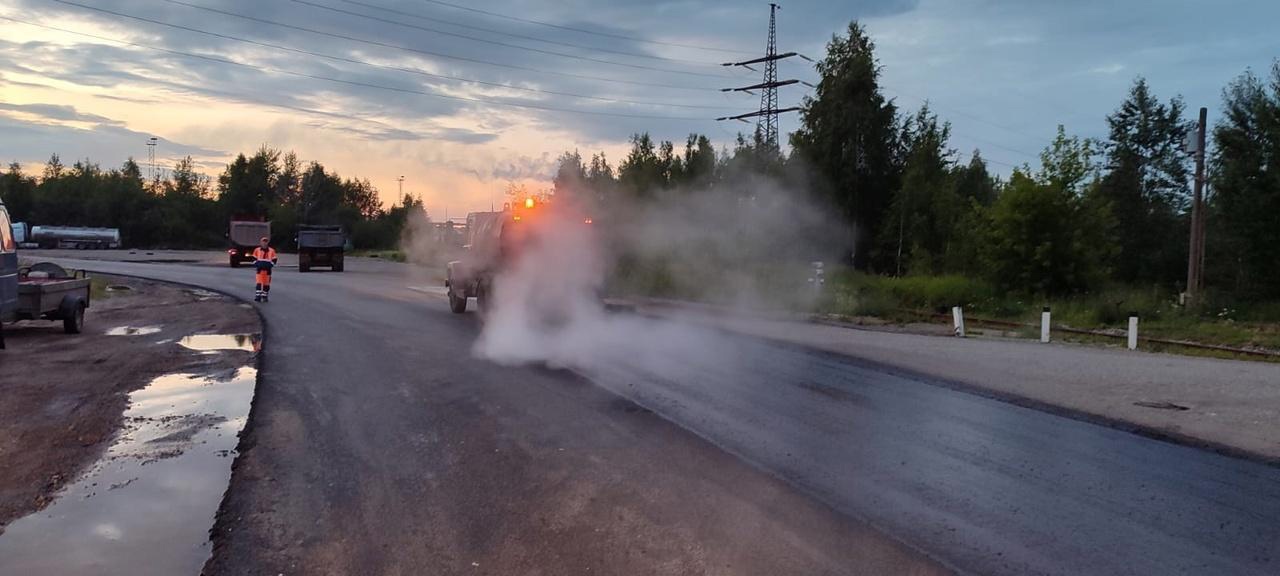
42,291
75,237
320,246
46,291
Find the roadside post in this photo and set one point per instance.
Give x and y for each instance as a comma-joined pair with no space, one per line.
957,317
1044,325
817,278
1133,331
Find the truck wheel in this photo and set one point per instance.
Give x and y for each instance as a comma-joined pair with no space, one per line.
482,299
304,262
457,304
337,264
235,261
72,313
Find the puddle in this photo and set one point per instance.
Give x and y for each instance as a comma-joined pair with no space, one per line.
202,295
147,505
118,288
133,330
217,342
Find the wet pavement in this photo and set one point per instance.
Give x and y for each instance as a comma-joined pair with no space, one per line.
146,507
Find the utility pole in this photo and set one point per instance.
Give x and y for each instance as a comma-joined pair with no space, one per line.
400,180
1195,256
767,115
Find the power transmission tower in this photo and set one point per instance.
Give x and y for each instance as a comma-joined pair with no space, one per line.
767,115
151,157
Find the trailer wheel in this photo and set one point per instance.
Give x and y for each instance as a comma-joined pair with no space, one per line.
72,313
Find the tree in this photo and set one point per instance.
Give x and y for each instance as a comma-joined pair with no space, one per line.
974,183
1048,234
570,180
642,172
1146,186
849,135
699,162
18,191
1244,240
926,208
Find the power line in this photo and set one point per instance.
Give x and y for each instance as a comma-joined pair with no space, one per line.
524,37
505,44
436,54
350,82
585,31
384,66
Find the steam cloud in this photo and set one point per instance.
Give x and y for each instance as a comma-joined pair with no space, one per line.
745,247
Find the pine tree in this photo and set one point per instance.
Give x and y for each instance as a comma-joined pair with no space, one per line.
1146,186
848,133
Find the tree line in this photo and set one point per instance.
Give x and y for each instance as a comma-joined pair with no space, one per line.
190,210
1093,213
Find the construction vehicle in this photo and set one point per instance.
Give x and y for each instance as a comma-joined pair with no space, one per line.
495,241
320,246
43,291
244,234
75,237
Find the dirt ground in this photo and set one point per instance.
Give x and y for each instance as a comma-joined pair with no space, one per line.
64,395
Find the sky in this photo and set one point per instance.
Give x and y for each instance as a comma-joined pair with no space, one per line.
462,98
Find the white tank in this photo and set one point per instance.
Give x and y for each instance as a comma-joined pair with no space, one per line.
53,236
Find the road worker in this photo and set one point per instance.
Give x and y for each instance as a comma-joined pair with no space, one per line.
264,259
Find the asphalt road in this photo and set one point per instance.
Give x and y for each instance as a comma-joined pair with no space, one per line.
377,444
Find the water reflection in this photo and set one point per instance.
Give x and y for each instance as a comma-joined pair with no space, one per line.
216,342
147,505
133,330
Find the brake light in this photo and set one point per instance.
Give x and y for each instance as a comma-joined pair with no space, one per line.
587,221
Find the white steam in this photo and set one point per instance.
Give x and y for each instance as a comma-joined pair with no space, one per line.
744,247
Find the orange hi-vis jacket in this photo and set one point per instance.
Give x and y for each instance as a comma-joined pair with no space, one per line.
264,261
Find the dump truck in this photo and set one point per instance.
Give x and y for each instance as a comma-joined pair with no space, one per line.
75,237
42,291
320,246
495,241
244,234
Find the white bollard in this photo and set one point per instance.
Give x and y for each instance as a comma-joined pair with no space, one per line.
957,317
1044,325
1133,332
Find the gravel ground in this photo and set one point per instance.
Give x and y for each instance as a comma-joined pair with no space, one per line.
64,395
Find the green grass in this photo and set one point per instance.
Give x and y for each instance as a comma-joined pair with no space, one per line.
98,288
913,298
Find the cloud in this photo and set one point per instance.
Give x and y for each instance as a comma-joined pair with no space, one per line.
60,112
1108,69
